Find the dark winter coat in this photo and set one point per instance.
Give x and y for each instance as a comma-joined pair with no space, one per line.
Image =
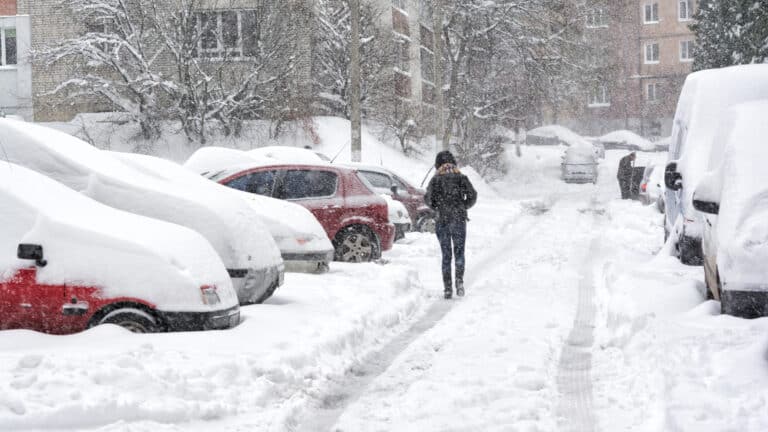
625,168
450,194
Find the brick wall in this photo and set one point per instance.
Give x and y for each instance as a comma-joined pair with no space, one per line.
7,7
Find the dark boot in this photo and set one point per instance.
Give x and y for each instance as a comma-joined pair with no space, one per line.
460,282
447,286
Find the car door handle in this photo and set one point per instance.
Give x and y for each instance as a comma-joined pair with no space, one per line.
26,305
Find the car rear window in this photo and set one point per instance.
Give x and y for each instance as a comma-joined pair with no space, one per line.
377,180
302,184
261,183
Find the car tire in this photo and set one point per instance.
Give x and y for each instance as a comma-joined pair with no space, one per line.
356,245
132,319
688,253
426,223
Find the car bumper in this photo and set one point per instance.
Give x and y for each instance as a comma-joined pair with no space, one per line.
197,321
256,285
579,179
745,304
308,262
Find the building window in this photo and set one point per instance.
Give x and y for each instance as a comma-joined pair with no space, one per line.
596,18
686,51
651,13
599,97
401,4
403,54
400,22
427,65
402,85
227,33
8,46
685,10
652,92
652,53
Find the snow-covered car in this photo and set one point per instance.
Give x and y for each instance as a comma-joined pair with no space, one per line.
705,98
303,244
354,217
289,154
554,135
398,216
652,186
235,232
579,165
68,263
626,140
733,199
385,181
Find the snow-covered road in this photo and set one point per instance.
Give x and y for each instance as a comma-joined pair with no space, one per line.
570,323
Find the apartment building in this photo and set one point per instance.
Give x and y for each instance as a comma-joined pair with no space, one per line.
645,50
15,67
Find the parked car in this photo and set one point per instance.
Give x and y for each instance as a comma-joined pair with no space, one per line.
68,263
233,229
651,186
398,215
733,200
355,218
303,244
386,181
579,165
705,98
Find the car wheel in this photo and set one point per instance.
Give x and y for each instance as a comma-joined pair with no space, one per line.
426,223
135,320
355,245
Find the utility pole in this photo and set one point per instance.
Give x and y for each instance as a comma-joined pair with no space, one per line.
437,31
354,78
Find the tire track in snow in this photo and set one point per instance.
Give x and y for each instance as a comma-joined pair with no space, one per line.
355,383
574,377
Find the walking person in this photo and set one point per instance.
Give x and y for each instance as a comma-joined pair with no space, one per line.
450,194
624,175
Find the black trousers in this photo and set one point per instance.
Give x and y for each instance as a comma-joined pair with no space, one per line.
452,236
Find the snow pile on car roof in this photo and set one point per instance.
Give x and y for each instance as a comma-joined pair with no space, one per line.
740,184
629,138
226,224
87,243
561,133
293,155
219,161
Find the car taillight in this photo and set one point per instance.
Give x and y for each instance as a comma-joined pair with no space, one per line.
644,187
209,295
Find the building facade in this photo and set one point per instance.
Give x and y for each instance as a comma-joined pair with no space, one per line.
15,65
645,50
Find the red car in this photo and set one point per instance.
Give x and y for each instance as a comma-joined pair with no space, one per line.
352,214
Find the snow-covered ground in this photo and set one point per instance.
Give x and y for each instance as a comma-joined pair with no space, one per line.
571,322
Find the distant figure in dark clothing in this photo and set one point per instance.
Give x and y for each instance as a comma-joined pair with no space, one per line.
624,175
450,194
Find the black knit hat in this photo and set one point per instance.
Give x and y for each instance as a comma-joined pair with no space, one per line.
443,158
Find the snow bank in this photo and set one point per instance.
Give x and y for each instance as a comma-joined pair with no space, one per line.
628,138
88,243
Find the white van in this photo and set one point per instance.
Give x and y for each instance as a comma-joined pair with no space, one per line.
705,98
231,226
733,201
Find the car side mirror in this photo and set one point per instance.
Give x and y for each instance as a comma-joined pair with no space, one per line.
672,179
31,252
394,190
706,206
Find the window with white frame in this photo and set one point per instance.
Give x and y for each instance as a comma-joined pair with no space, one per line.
8,46
596,18
686,51
231,33
651,13
651,53
685,10
598,97
652,92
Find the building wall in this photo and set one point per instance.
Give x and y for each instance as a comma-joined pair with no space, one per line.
16,79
